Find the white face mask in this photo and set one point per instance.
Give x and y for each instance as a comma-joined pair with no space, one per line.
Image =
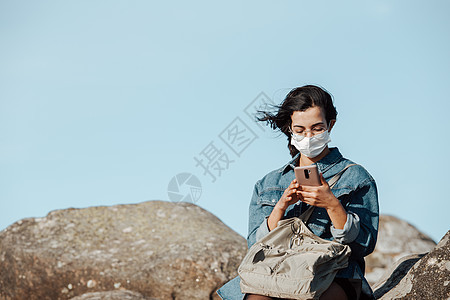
311,146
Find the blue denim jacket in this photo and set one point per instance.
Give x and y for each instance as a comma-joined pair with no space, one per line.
357,192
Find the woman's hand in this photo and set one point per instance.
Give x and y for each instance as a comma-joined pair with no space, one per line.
322,196
290,196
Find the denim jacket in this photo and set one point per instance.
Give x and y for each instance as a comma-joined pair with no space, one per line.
357,192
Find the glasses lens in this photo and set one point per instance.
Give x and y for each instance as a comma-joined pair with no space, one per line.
318,130
302,133
297,137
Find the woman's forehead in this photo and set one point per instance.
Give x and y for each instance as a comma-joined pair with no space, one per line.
310,116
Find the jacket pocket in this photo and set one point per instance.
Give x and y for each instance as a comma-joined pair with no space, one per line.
270,196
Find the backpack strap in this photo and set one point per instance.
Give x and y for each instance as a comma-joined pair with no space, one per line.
332,182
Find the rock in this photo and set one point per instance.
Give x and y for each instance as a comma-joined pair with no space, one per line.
429,278
394,274
396,239
157,249
112,295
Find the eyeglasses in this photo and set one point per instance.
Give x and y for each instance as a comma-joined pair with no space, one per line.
299,134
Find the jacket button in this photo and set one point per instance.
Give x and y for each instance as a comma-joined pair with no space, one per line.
273,200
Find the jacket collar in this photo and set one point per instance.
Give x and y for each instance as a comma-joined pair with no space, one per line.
324,164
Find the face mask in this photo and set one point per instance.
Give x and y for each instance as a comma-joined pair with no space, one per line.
312,146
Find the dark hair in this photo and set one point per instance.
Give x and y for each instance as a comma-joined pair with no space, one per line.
298,99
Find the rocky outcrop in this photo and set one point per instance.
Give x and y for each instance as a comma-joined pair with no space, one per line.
151,250
396,239
394,274
164,250
429,278
112,295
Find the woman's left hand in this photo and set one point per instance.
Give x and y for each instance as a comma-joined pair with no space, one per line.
320,196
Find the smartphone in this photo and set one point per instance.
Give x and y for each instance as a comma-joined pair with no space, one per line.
308,175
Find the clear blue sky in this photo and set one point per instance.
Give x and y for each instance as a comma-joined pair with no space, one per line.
104,102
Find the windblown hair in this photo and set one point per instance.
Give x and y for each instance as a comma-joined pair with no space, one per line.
298,99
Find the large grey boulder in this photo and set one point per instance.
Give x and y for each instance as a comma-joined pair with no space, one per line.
155,249
111,295
429,278
396,239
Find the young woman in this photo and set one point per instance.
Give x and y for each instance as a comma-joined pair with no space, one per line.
347,214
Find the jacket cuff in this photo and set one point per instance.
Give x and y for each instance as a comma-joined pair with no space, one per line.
350,231
262,230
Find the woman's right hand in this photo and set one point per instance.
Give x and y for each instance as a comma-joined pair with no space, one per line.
290,196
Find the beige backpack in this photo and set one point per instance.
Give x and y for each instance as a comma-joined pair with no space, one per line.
291,261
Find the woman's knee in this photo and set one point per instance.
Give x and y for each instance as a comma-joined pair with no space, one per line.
334,292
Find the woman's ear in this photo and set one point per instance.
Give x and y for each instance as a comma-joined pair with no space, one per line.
332,122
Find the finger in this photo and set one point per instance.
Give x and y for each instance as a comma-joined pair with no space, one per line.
322,180
291,200
309,195
310,199
308,188
291,191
